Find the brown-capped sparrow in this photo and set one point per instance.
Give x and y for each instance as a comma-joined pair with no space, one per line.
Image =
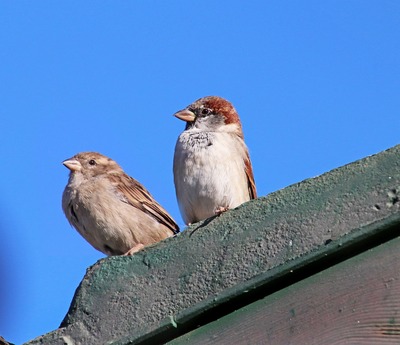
110,209
212,168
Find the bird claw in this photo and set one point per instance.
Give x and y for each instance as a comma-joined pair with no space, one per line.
221,209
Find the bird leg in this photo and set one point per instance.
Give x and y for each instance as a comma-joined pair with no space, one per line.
134,249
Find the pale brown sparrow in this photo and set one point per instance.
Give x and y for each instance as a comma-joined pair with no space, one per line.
110,209
212,168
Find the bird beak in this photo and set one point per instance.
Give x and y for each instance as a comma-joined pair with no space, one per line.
185,115
72,164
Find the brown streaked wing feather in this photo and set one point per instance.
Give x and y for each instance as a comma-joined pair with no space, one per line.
137,196
250,178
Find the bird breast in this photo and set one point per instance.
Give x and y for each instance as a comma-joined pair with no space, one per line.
209,172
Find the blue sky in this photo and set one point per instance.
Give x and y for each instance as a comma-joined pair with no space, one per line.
316,84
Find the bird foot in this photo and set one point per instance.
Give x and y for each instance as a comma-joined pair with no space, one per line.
221,209
134,249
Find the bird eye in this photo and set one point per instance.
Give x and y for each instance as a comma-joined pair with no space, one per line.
92,162
205,111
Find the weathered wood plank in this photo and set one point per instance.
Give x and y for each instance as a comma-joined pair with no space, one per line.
354,302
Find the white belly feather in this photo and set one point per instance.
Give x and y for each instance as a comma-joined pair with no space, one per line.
210,174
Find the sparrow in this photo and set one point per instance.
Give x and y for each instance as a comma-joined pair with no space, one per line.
212,168
110,209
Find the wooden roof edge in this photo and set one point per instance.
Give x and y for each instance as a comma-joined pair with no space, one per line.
232,259
357,241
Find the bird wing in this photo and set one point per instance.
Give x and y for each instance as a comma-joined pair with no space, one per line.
250,177
137,196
